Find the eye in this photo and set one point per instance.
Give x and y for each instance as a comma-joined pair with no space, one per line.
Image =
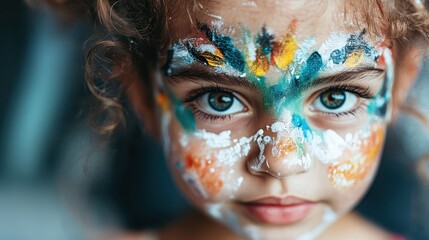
335,101
220,103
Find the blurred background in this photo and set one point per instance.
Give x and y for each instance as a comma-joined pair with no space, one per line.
58,182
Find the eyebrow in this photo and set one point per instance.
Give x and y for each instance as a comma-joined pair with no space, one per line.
198,73
352,75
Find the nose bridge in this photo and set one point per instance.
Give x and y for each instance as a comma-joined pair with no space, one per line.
281,149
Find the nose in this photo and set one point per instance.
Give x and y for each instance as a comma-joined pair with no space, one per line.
281,152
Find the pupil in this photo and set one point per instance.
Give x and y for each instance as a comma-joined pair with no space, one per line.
220,101
333,100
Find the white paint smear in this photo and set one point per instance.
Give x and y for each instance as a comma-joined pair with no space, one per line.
328,218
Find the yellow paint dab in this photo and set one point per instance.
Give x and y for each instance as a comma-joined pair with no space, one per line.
284,52
261,65
213,60
355,58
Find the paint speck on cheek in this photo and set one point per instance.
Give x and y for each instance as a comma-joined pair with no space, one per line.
348,173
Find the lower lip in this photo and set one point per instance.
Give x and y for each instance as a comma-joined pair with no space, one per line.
279,214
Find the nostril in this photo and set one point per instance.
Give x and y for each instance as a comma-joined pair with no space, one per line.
260,171
270,172
256,168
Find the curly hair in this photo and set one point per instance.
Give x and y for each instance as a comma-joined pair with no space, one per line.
132,32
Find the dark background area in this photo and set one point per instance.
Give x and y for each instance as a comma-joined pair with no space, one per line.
58,182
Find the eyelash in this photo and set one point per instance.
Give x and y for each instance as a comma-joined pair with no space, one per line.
364,93
195,94
361,92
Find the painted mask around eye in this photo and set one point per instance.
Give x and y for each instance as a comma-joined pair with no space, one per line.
289,145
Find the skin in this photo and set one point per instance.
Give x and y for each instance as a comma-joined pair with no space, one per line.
219,188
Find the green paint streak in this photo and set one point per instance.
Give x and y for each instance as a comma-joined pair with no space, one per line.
185,117
300,147
372,107
183,114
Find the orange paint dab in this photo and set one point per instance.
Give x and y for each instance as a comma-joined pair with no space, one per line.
207,173
348,173
163,102
286,146
372,145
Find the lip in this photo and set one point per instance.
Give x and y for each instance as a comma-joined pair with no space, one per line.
279,211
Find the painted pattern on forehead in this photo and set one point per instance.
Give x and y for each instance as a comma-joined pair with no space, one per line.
256,54
296,64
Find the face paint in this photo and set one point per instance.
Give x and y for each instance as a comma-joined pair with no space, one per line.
167,101
347,173
329,217
207,156
263,54
218,211
219,52
216,164
363,151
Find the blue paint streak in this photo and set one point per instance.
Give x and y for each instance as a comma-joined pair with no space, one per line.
312,68
232,55
300,122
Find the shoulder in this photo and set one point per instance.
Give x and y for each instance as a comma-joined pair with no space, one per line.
353,226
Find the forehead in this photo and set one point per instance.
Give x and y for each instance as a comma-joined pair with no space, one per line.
315,17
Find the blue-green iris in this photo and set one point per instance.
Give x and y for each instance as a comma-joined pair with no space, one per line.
220,101
333,99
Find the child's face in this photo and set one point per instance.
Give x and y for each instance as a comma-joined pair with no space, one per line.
274,114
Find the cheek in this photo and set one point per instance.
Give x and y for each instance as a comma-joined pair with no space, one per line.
358,161
201,165
205,164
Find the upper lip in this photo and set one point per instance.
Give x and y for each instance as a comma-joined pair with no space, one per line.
285,201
